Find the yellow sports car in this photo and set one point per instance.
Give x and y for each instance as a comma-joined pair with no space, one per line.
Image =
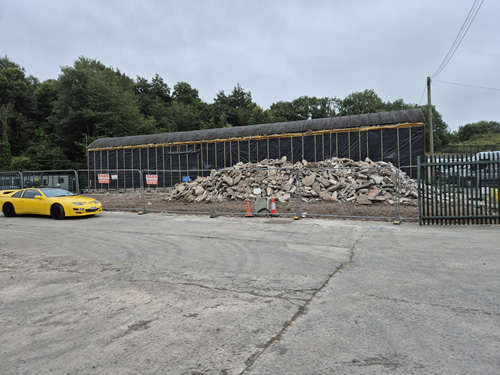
54,202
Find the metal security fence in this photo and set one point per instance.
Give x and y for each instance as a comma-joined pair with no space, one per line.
353,192
267,190
257,186
98,180
460,189
11,180
66,179
333,192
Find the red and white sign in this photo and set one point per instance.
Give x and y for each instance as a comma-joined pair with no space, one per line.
151,179
103,178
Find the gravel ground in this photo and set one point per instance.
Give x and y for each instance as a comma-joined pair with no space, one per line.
154,202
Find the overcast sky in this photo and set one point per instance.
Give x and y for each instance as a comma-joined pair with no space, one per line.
276,49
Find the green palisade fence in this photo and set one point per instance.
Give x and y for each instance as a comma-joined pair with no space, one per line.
459,189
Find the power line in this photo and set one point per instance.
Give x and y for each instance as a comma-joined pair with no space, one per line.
423,93
462,84
461,34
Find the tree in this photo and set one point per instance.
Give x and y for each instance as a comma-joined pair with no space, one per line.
237,106
259,116
307,107
154,98
96,101
470,131
45,96
16,87
359,103
43,154
397,105
442,135
182,117
186,111
184,93
283,111
5,153
20,163
17,92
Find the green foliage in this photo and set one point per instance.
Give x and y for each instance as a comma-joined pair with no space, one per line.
397,105
184,93
17,94
237,107
303,108
153,99
5,153
44,154
182,117
477,130
44,125
442,135
15,87
284,111
308,108
97,101
359,103
259,116
491,139
20,163
187,111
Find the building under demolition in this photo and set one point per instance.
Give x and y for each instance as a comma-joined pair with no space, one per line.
396,137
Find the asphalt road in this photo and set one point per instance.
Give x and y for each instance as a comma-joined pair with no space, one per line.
123,293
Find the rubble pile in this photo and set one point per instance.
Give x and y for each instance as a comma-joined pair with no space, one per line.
332,180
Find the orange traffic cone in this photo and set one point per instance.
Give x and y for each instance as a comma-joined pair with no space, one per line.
249,210
273,208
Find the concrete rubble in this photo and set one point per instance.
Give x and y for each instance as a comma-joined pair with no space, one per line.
332,180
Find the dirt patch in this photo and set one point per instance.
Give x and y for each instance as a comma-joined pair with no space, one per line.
154,202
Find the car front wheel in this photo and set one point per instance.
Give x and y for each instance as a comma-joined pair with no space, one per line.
9,210
57,212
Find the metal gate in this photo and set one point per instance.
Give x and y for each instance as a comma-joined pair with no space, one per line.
459,189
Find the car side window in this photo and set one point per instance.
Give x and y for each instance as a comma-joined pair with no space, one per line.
17,195
30,193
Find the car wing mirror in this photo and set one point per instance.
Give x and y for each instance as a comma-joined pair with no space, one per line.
38,197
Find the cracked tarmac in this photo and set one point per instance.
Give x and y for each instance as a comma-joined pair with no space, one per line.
162,294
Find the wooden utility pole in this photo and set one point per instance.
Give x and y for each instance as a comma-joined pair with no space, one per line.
429,118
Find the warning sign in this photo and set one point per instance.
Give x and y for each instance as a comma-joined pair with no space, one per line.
151,179
103,178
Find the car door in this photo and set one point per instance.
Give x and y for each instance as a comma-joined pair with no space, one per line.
28,204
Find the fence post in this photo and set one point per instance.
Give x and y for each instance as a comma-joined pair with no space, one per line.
213,214
77,184
419,190
397,217
298,214
142,190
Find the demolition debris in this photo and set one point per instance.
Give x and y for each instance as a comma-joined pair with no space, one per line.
332,180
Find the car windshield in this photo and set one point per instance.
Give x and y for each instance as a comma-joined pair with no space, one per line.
52,193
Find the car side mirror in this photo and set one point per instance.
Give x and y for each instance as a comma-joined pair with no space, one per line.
38,197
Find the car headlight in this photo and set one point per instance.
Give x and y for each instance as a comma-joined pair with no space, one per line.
78,203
